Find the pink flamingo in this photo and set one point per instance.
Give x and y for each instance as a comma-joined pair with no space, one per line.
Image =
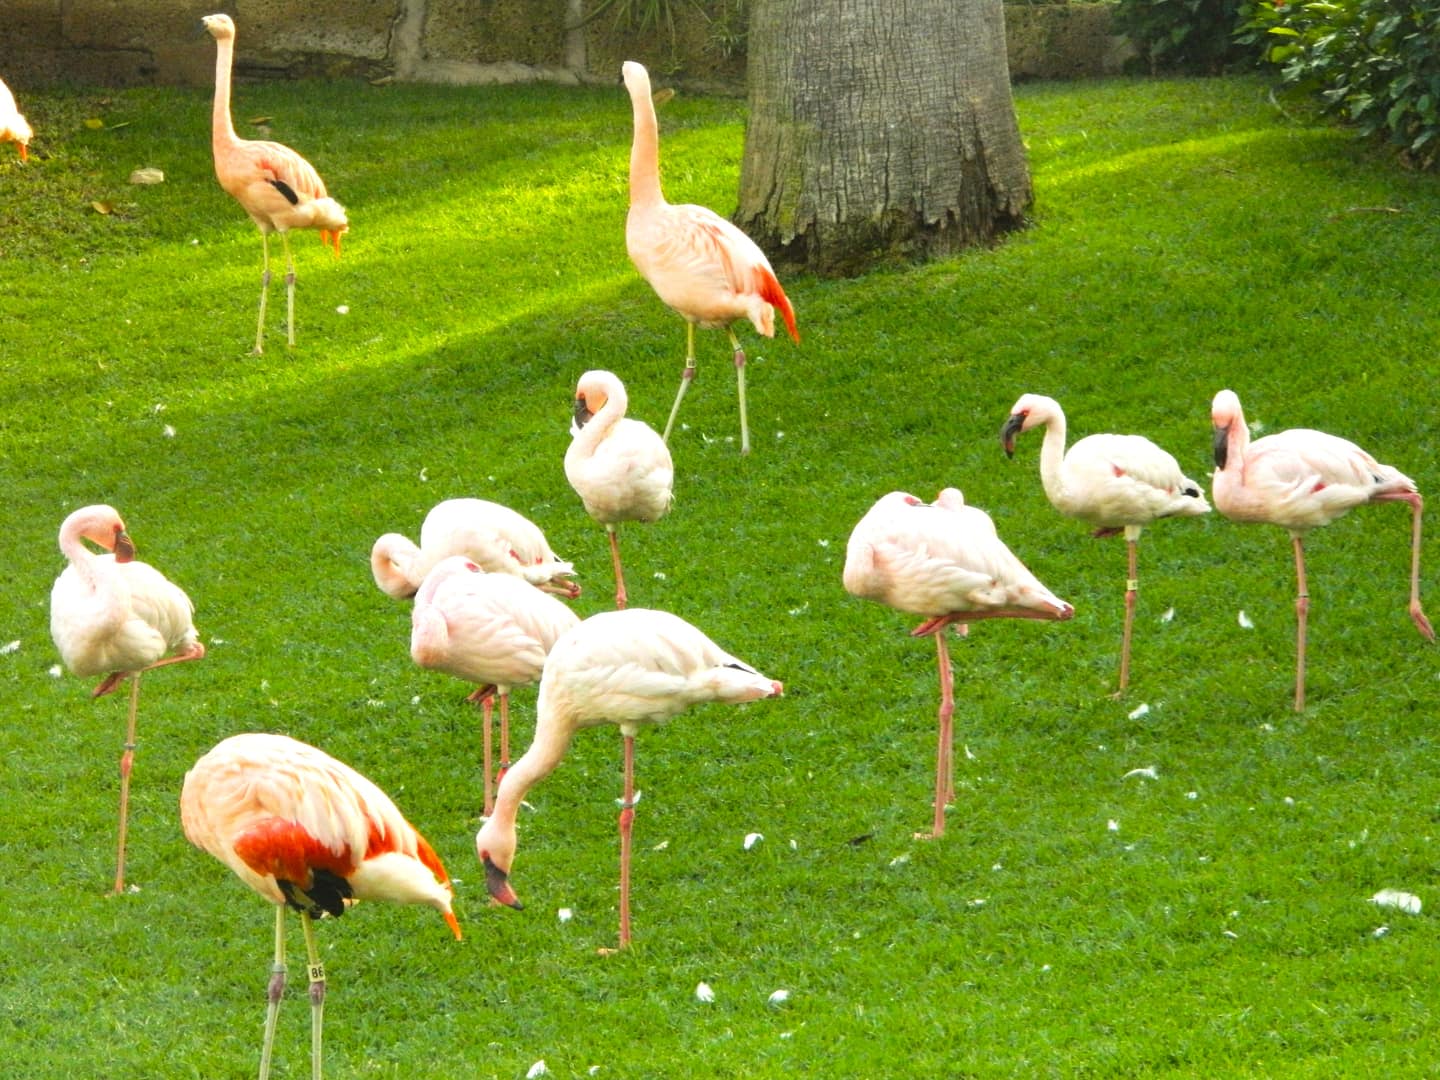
1113,482
619,467
700,265
627,668
946,562
499,539
490,629
308,832
1301,479
278,188
111,613
14,127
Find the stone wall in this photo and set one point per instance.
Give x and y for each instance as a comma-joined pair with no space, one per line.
145,42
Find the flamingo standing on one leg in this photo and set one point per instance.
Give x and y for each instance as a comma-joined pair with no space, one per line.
499,539
278,188
945,561
14,127
307,831
699,264
110,613
1301,479
619,467
628,668
1113,482
490,629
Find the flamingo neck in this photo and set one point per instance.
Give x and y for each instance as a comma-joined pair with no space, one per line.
1239,436
1052,457
222,129
645,150
617,402
554,729
86,563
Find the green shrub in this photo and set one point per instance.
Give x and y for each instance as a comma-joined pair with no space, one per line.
1373,62
1194,36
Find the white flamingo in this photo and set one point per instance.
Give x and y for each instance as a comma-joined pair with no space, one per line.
490,629
1301,479
946,562
113,614
1113,482
618,466
499,539
628,668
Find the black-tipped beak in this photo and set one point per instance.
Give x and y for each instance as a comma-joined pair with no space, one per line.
582,413
1222,446
497,883
124,547
1007,433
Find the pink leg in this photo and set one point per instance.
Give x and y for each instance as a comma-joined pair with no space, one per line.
1417,614
945,741
627,820
127,760
739,355
686,378
504,736
619,573
194,652
939,622
1302,612
1132,585
488,764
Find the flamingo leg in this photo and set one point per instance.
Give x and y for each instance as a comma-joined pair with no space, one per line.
1417,506
1302,612
317,995
1132,586
619,573
939,622
504,736
264,292
945,741
686,378
626,822
485,728
740,391
274,992
127,760
289,291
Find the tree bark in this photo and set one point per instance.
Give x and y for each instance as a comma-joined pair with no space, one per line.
879,130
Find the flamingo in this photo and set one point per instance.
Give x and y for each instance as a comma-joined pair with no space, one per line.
278,188
499,539
308,832
944,561
619,467
1113,482
111,613
700,265
627,668
490,629
14,127
1301,479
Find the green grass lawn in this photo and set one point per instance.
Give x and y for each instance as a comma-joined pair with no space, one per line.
1188,236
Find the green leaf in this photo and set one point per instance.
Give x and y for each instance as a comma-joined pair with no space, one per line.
1283,31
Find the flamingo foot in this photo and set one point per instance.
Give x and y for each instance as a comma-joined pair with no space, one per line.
1421,622
110,683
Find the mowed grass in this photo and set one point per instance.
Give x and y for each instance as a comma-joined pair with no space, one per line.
1073,921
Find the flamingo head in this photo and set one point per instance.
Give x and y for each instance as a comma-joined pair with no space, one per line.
220,27
1224,415
121,544
495,847
1026,413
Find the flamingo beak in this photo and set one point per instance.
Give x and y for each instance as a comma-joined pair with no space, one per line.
562,587
454,925
124,547
1007,433
497,882
582,413
1222,446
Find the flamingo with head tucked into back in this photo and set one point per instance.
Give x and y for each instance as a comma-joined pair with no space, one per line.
944,561
1113,482
277,187
700,265
629,668
113,614
500,540
306,831
14,127
619,467
490,629
1301,479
